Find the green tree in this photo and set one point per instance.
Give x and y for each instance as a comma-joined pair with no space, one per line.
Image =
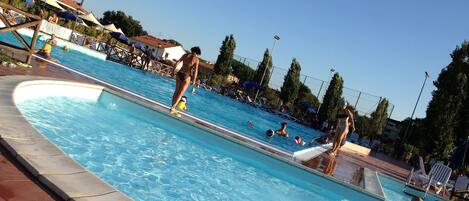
291,83
263,70
444,110
242,71
224,59
127,23
305,95
331,100
379,118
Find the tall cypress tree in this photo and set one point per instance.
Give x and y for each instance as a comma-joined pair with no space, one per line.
291,83
223,63
379,118
331,100
264,66
444,112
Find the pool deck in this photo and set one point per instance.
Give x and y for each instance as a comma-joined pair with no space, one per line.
345,166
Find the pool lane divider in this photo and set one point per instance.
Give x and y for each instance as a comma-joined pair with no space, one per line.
233,136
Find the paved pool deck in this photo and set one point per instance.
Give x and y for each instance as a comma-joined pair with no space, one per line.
345,167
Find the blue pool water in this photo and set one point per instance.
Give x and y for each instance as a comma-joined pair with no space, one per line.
393,190
151,156
207,105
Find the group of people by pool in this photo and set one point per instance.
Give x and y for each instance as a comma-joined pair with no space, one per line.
345,125
188,73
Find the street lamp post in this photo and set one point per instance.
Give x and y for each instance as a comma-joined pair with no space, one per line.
415,107
276,38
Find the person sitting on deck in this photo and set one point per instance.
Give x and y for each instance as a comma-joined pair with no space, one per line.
283,130
47,48
182,104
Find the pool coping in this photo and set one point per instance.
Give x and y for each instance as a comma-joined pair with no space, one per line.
21,139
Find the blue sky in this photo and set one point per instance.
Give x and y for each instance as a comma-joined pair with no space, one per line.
380,47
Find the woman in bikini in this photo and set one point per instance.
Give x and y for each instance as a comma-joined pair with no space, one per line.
190,62
344,121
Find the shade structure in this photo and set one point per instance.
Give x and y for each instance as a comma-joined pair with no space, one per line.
69,16
120,30
90,18
120,37
111,28
53,3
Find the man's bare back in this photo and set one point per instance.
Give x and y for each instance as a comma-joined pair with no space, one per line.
188,62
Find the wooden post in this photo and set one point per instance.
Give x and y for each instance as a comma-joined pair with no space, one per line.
33,42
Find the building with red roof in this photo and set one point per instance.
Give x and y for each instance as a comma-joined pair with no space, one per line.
162,49
72,6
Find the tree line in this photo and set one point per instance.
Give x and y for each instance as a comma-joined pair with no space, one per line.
293,93
445,129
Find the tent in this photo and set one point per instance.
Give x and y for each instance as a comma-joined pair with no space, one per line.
53,3
90,18
111,28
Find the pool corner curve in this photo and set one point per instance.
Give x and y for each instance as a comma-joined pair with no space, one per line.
43,159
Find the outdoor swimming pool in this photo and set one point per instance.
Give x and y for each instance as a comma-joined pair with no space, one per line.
210,106
151,156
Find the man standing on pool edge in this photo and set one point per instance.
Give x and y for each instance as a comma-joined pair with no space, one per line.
190,62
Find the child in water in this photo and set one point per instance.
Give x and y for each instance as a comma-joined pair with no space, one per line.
299,141
182,104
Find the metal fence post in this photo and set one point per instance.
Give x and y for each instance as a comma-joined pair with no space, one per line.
358,98
320,88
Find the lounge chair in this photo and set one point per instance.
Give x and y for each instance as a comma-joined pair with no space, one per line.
421,170
437,177
460,188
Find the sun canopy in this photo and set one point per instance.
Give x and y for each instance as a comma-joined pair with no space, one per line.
111,28
90,18
120,31
69,16
53,3
120,37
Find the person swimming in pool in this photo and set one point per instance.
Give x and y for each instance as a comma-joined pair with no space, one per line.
344,121
270,133
190,62
283,130
299,140
47,48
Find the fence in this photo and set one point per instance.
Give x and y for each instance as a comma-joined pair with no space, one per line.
363,102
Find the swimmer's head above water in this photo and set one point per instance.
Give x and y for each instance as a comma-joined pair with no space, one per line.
270,133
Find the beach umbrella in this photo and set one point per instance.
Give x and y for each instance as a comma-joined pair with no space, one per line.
69,16
120,37
139,46
251,85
